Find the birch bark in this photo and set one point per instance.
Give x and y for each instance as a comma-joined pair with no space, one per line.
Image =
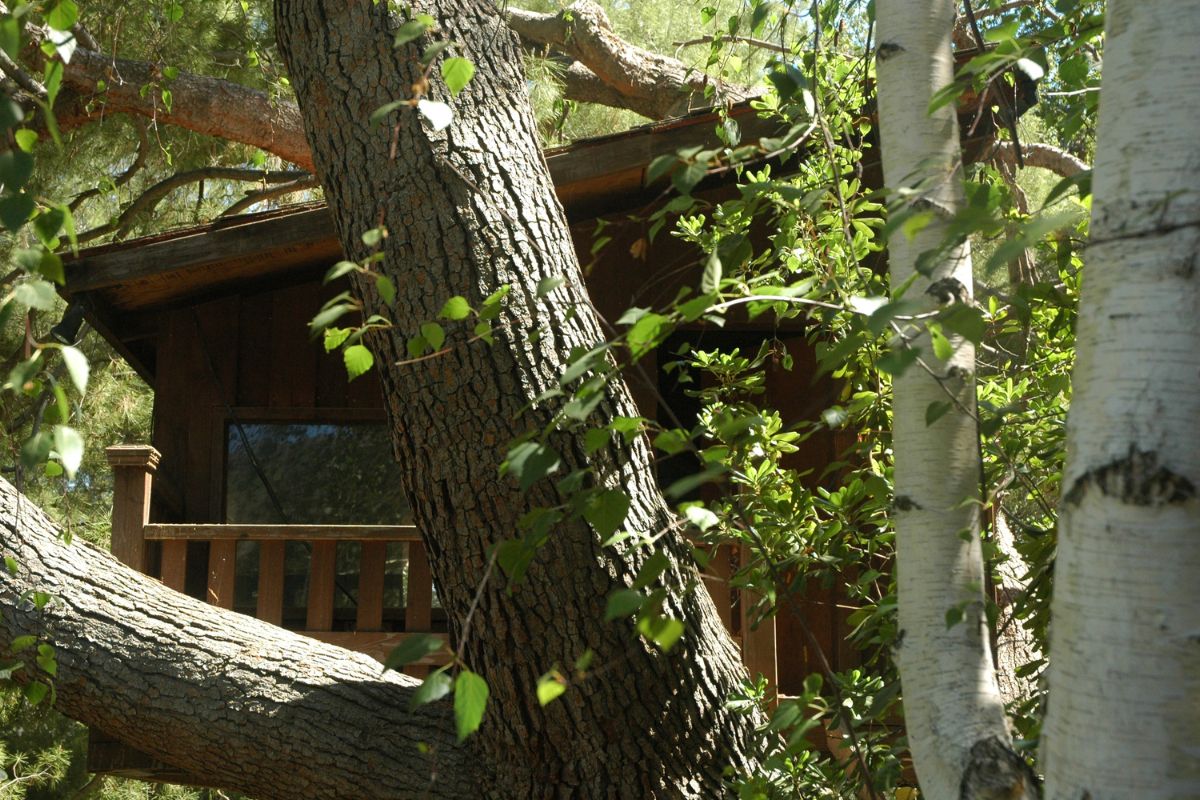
953,710
1124,714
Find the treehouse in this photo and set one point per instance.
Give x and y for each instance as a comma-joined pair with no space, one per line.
266,487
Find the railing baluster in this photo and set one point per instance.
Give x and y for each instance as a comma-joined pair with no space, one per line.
320,586
174,565
222,555
370,586
270,582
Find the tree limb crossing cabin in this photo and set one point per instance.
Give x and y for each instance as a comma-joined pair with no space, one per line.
268,485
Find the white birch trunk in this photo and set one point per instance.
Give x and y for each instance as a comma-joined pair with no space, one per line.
1124,711
954,714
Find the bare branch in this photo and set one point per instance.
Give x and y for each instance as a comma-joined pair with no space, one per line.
309,182
761,44
149,199
21,77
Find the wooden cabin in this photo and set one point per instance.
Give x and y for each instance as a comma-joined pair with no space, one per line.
228,502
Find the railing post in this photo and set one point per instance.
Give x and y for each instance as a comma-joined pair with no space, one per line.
133,468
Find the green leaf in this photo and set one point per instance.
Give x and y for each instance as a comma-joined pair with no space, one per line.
457,72
26,139
470,700
941,345
434,687
63,15
37,294
530,462
659,167
710,281
701,517
10,115
327,315
386,289
936,410
334,337
967,321
374,236
36,450
10,37
456,308
606,511
896,360
53,469
623,603
547,285
672,441
36,691
666,632
358,360
434,334
175,12
550,687
433,51
414,647
380,114
69,445
22,643
11,565
52,81
339,269
15,168
15,210
413,29
77,367
654,566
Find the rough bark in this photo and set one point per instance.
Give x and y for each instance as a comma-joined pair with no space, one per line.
954,715
236,702
1124,676
470,209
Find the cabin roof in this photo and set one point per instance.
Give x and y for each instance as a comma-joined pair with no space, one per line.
592,177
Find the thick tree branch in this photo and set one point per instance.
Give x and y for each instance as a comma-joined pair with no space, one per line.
1044,156
235,702
659,86
200,103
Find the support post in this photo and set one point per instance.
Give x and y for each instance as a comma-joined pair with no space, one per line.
133,468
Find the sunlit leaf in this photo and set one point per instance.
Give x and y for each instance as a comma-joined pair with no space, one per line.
470,701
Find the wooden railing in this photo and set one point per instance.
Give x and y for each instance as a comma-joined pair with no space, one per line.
133,470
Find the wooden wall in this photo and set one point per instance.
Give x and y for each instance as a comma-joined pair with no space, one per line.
250,352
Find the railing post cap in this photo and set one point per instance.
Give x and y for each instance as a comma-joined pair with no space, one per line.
133,455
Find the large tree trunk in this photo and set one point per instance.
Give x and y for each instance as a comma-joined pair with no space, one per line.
233,701
954,714
471,209
1124,714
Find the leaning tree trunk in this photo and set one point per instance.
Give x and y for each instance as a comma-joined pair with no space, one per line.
1124,712
235,702
471,209
954,714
